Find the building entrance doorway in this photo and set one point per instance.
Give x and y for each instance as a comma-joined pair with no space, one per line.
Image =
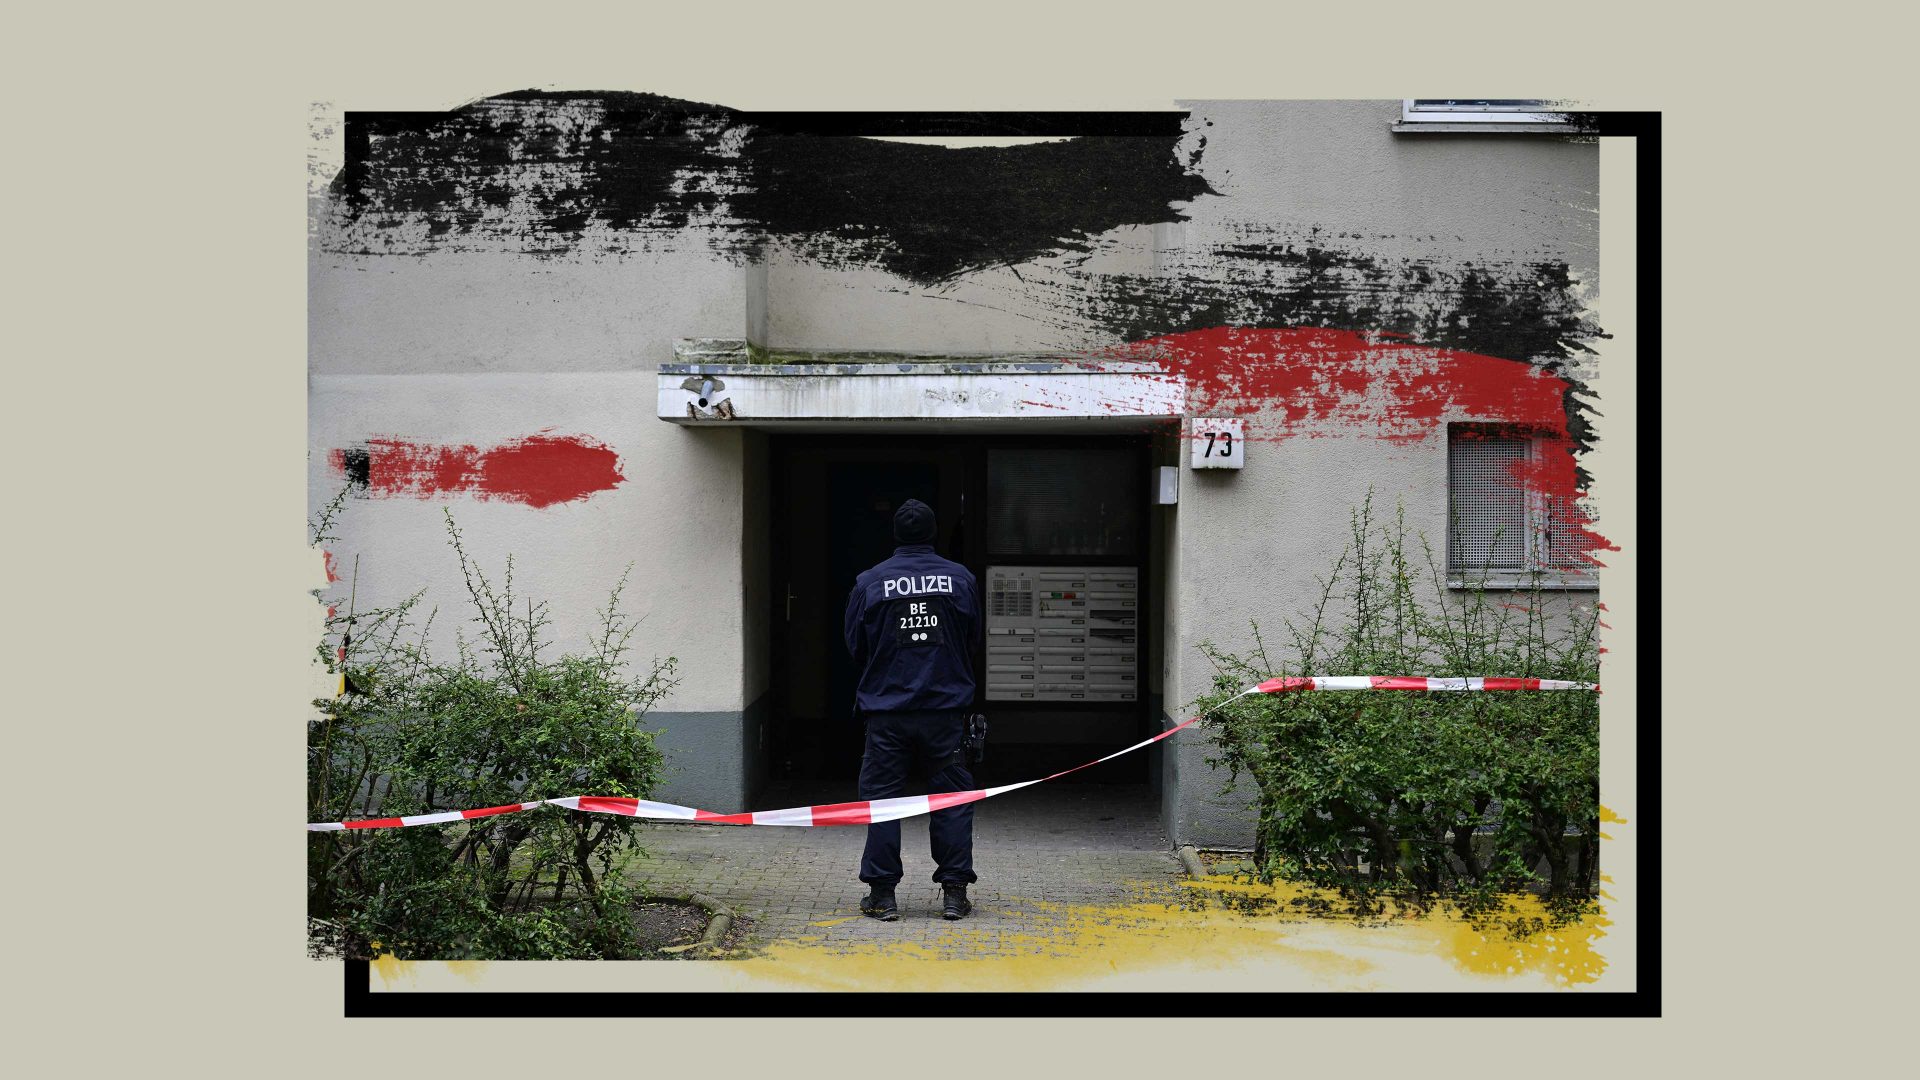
1056,530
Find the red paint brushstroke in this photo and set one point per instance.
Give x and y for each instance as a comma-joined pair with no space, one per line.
544,470
340,650
1309,381
540,470
1314,382
1553,477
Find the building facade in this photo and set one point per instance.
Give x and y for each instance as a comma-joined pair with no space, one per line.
613,331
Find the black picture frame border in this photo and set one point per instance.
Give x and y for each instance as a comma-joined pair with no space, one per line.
1644,127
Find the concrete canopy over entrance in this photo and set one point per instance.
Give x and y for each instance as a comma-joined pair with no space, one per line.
717,382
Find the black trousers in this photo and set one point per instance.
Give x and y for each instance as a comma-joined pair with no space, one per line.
896,741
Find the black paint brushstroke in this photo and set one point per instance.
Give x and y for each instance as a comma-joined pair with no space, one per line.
1521,311
932,213
1525,310
356,465
627,160
565,162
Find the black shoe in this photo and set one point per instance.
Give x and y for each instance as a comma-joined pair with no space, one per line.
880,905
955,905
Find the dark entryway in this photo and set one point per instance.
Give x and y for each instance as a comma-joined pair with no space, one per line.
999,500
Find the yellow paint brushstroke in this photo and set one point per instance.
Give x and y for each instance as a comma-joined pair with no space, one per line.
1312,932
1610,817
390,967
470,970
1223,922
1567,953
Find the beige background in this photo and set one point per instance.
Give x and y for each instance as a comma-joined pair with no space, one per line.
157,415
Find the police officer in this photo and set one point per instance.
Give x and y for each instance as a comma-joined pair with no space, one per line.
912,626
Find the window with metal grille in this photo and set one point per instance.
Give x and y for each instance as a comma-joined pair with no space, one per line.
1484,109
1479,115
1502,527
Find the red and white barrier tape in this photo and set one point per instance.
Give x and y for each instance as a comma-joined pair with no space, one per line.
1406,682
877,810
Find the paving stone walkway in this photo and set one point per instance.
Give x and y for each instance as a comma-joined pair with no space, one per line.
1035,851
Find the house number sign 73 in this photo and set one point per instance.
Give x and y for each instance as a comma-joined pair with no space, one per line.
1218,443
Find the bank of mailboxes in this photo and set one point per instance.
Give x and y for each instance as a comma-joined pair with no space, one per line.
1063,633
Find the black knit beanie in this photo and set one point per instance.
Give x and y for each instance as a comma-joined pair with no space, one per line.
913,523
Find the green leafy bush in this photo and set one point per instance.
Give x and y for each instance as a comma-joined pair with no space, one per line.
1414,794
503,722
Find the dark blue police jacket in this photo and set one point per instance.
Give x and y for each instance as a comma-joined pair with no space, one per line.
913,628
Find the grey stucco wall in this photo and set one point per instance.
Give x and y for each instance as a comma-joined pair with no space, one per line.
474,348
680,496
1001,309
1199,804
1336,166
470,312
